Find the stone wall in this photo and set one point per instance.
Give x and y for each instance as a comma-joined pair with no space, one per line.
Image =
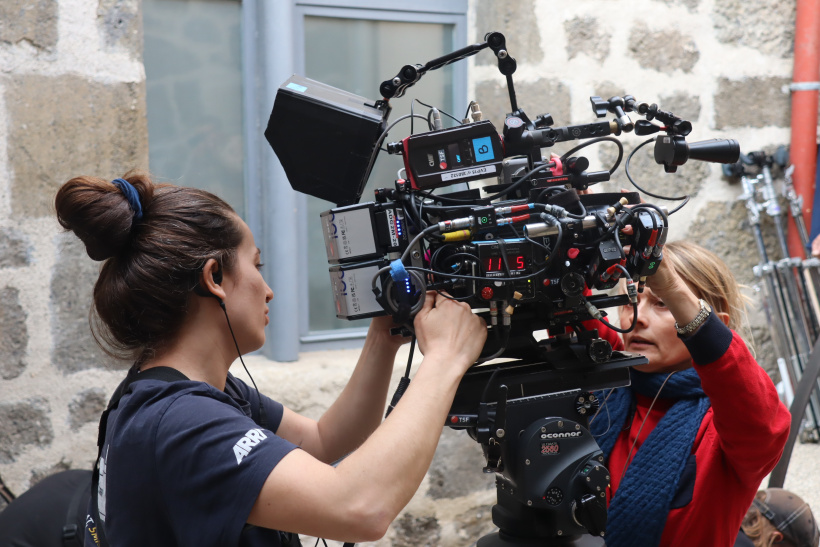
72,101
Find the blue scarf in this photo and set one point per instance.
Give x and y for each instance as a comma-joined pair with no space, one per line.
638,511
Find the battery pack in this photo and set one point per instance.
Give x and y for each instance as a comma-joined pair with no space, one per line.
352,290
363,232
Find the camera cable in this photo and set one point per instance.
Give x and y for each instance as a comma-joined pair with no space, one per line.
404,381
685,198
612,169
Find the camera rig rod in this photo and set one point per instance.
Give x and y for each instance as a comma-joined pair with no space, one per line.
410,74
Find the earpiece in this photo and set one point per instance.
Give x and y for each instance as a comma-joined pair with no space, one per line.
202,291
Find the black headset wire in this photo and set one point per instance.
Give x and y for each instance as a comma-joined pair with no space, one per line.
262,418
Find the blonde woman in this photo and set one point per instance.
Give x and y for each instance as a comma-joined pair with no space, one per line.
688,443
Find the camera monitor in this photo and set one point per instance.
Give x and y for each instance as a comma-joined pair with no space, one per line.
324,138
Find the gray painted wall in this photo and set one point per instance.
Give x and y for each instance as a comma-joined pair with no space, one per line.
72,101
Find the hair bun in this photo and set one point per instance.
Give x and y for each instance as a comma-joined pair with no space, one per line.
100,214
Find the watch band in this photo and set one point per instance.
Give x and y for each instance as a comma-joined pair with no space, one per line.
694,324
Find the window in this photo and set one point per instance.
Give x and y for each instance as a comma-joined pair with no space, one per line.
213,68
355,50
193,74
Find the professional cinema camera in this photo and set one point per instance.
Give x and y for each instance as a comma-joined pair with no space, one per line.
529,253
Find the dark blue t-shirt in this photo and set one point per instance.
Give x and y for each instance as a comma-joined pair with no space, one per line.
184,463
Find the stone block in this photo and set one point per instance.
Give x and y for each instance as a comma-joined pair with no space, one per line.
72,284
15,250
586,35
752,102
13,334
119,24
764,349
540,97
691,5
411,531
688,179
474,524
86,407
64,126
517,22
23,424
765,25
680,104
724,229
606,90
42,472
457,466
34,21
666,50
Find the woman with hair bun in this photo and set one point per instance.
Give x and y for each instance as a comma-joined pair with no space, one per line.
689,442
205,460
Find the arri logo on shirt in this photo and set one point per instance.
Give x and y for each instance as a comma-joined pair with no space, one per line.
244,445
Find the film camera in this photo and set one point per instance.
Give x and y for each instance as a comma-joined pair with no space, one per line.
528,252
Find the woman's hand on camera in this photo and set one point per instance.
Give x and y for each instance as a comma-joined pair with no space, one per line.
380,329
449,331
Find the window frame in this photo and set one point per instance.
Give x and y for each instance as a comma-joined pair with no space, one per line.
273,50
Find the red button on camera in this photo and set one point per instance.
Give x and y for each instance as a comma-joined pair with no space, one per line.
573,252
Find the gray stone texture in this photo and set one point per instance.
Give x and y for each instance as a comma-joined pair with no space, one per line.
23,424
412,531
40,473
765,25
475,523
752,102
72,285
540,97
15,250
586,35
650,176
13,334
34,21
456,469
64,126
680,104
86,407
764,350
691,5
663,50
119,24
724,229
606,90
517,22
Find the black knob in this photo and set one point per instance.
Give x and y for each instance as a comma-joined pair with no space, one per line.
644,127
513,128
590,512
599,106
395,148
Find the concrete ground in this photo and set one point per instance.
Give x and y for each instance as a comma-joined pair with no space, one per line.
803,475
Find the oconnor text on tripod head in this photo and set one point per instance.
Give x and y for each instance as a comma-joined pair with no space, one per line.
528,253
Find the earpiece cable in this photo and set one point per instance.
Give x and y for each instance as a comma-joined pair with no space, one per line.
262,419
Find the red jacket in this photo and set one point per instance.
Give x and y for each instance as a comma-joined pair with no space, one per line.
739,442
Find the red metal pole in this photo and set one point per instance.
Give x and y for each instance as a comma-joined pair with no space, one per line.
803,149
